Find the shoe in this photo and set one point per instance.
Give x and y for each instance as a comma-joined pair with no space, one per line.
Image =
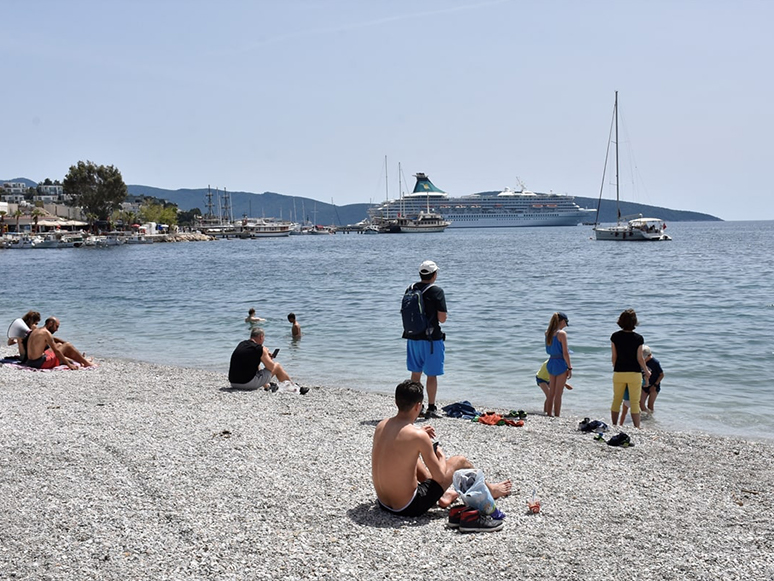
273,387
288,386
476,522
455,515
303,390
599,437
522,414
432,413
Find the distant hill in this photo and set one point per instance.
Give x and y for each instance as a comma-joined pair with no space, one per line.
267,204
279,205
607,212
271,204
25,181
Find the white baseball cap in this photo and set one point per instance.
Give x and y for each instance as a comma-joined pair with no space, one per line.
428,267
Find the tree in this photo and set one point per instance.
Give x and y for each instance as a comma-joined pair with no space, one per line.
2,221
36,214
97,189
159,213
189,218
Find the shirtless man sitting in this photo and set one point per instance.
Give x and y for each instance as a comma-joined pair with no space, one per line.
406,484
45,352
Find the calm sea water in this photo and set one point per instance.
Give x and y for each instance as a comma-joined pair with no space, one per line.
704,300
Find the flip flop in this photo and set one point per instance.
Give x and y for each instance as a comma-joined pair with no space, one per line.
522,414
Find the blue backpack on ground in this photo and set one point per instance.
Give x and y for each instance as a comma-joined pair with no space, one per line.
416,324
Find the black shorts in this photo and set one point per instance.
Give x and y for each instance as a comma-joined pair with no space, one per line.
426,497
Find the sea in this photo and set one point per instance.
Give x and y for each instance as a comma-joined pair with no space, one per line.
704,300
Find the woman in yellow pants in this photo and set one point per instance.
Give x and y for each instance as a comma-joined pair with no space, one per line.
628,366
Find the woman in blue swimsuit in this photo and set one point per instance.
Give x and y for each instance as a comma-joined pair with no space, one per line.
559,365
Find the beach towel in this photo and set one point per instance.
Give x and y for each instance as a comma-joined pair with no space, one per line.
13,362
493,419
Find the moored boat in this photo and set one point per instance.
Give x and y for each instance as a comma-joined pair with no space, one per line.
423,222
262,228
627,228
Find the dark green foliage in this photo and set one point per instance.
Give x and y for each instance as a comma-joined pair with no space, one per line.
99,190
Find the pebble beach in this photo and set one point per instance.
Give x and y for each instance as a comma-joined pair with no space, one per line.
138,471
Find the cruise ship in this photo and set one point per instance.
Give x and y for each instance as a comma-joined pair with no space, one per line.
505,209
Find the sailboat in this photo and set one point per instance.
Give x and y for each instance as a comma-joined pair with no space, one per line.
627,228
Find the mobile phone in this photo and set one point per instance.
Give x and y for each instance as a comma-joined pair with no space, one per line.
273,355
435,446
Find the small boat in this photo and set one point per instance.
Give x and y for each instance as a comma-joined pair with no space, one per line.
48,241
25,242
423,222
262,228
627,228
71,241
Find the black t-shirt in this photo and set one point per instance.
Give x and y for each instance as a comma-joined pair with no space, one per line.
626,344
244,362
655,370
435,300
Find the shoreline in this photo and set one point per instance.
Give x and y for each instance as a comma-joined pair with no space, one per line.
577,412
133,470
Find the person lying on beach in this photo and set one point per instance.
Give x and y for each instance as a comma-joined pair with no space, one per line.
409,474
45,352
245,371
543,379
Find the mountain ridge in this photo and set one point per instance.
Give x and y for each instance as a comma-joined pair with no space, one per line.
300,209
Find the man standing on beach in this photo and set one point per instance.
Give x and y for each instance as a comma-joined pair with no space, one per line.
46,352
425,353
410,475
244,371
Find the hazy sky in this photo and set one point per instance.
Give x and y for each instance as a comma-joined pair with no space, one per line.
307,97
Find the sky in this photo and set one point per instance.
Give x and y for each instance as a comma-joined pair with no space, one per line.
307,98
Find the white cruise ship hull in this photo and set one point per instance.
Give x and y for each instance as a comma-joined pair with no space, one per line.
472,220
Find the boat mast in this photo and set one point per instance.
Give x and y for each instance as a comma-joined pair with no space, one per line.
617,204
400,191
386,188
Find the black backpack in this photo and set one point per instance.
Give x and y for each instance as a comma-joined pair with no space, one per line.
416,324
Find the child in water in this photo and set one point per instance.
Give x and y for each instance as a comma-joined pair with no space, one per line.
296,328
252,319
650,387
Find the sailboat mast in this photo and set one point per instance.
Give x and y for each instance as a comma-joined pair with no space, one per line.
617,192
386,187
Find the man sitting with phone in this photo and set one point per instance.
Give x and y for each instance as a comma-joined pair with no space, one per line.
410,473
245,371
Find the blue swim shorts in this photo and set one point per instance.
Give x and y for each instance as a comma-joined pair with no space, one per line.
425,357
